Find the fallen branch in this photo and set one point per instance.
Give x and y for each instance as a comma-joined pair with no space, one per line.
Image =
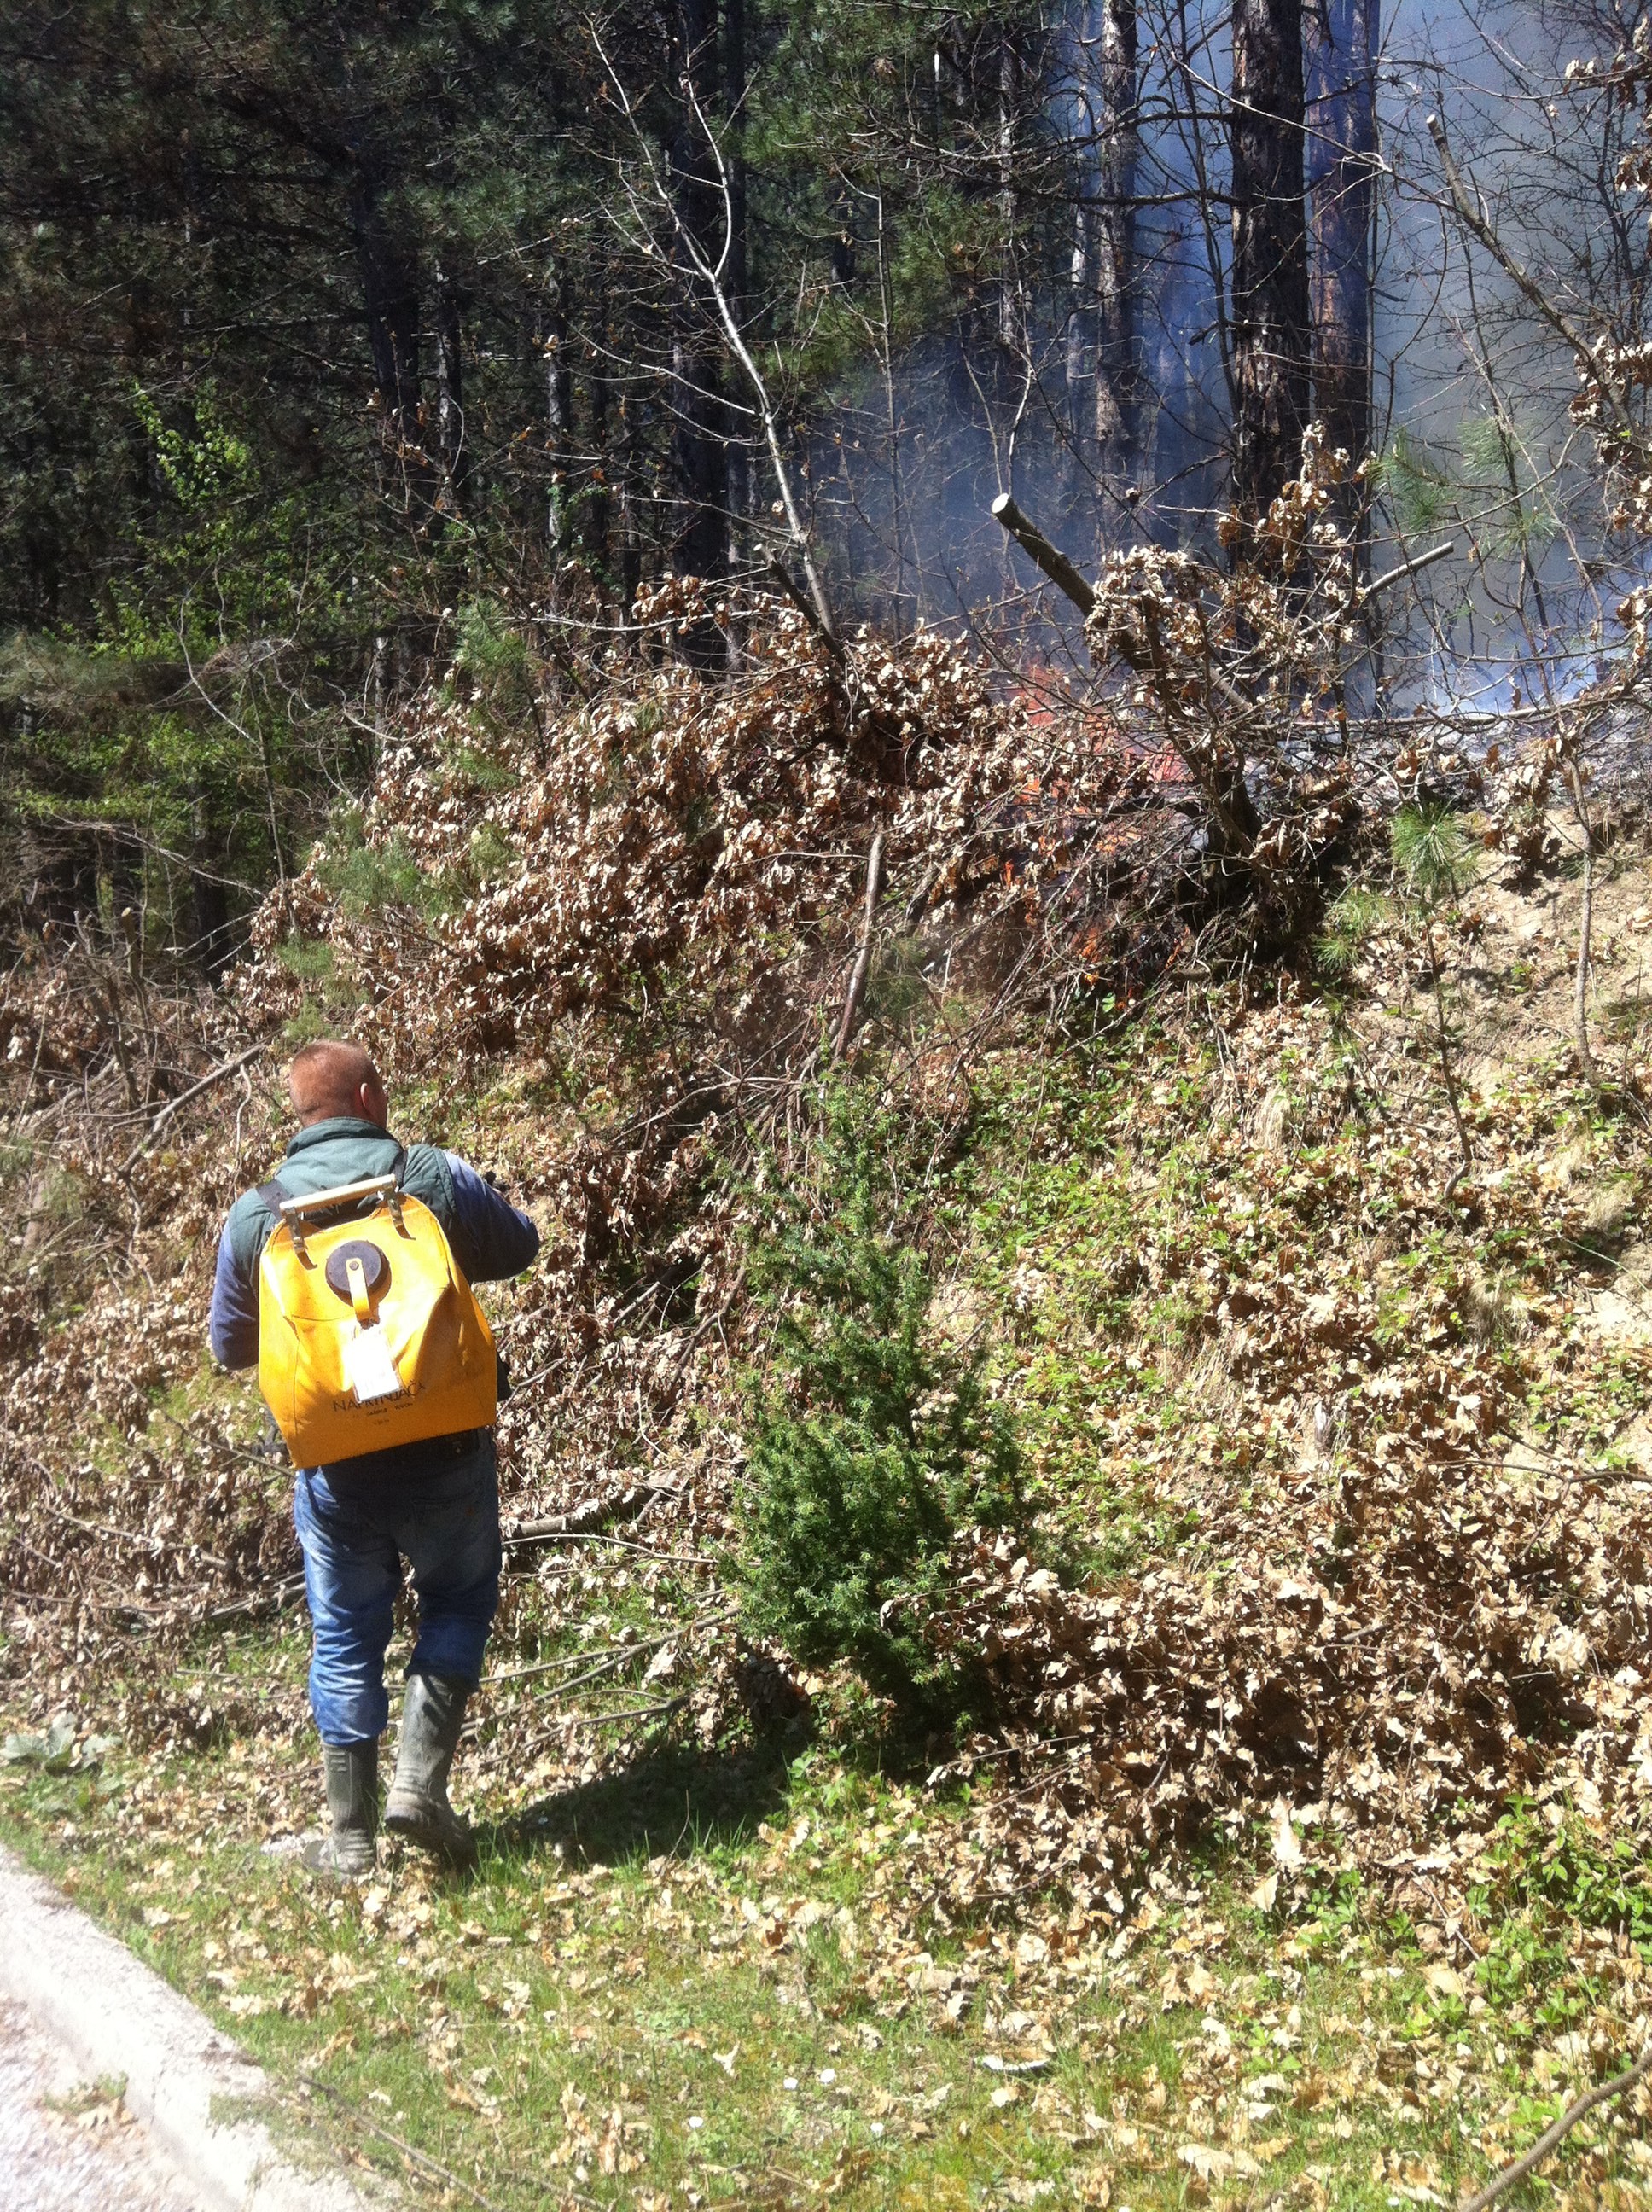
622,1544
277,1596
1602,2093
619,1651
413,2157
230,1067
586,1520
537,1743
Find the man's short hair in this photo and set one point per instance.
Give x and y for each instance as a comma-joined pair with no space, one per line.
324,1079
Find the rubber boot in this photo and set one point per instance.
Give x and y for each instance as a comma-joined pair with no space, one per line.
347,1851
433,1713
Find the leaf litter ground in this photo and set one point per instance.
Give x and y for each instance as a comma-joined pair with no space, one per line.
1306,1863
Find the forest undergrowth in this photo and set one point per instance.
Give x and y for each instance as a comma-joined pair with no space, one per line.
1290,1844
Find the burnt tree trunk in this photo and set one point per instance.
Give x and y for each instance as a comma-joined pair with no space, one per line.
699,417
1268,318
1341,38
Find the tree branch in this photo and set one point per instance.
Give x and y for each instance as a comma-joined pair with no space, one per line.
863,958
585,1519
1472,213
1602,2093
230,1067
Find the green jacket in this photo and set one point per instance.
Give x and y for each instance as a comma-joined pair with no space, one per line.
326,1155
488,1238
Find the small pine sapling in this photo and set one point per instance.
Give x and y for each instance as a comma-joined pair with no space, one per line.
872,1443
1348,927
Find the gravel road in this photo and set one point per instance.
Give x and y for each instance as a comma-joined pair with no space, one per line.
62,2148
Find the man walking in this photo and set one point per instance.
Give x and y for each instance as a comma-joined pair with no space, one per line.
434,1503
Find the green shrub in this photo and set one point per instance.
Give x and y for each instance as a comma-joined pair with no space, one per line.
873,1442
309,959
365,878
1548,1881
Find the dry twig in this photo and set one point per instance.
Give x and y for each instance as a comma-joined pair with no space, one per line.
1602,2093
863,957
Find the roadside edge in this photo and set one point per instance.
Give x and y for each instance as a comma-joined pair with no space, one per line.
118,2017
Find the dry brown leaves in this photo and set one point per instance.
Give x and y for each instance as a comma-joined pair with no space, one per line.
698,851
1388,1633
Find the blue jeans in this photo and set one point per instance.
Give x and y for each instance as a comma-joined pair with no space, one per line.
354,1532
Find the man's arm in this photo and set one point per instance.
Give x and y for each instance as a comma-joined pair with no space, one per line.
491,1238
233,1325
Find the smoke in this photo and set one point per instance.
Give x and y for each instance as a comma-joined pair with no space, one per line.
1470,398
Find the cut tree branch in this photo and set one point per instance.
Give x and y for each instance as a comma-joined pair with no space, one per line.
1043,555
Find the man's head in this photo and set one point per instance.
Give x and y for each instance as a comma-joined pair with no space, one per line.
332,1080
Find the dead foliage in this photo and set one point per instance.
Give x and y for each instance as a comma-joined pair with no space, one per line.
1389,1634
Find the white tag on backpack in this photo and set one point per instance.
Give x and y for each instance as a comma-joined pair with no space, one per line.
368,1368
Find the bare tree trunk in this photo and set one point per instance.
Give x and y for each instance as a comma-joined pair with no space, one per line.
734,88
1269,318
891,416
699,426
1012,302
1081,314
559,406
450,399
630,549
598,530
1341,38
742,488
1116,381
212,946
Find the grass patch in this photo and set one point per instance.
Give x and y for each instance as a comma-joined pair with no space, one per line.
696,2015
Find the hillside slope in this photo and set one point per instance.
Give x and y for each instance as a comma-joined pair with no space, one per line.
1302,1840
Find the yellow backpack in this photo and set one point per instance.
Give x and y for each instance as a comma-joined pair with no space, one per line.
368,1335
